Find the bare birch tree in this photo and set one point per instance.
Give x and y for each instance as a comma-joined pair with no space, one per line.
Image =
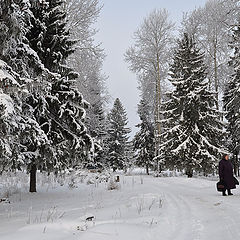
148,58
87,60
89,56
210,25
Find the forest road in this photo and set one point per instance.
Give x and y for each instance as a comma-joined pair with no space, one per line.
193,210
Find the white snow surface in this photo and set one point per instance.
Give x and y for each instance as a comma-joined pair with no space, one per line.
143,208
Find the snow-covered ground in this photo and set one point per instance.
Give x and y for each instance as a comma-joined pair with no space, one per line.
143,208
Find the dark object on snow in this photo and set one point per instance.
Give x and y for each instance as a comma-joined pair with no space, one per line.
117,178
189,173
90,218
226,174
4,200
220,186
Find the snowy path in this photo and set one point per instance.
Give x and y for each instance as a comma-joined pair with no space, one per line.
195,211
160,208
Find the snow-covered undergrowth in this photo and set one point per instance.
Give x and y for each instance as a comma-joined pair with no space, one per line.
17,183
79,205
12,184
74,203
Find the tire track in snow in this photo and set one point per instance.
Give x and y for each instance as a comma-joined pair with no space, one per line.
179,222
194,214
188,227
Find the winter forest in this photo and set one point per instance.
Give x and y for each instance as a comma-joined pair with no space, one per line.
71,166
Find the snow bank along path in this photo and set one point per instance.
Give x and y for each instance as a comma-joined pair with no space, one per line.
145,208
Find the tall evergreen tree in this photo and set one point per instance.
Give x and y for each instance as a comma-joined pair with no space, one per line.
29,73
51,110
96,123
144,139
66,109
232,100
193,130
118,136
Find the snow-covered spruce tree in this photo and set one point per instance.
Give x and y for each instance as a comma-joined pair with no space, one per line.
10,157
5,149
96,123
130,157
49,36
193,134
118,136
144,138
15,51
66,112
232,100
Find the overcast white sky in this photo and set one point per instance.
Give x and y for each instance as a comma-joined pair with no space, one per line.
118,21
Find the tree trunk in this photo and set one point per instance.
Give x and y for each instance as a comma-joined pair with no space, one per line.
204,172
238,173
147,169
33,178
216,75
236,166
189,173
157,112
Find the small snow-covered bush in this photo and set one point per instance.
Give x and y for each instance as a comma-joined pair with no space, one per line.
73,178
72,183
136,171
168,173
112,185
95,178
90,181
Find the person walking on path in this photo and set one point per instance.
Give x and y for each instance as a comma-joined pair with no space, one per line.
226,175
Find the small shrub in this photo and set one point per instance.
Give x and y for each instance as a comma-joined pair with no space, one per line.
112,185
72,183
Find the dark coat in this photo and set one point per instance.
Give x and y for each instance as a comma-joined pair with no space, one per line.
226,174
